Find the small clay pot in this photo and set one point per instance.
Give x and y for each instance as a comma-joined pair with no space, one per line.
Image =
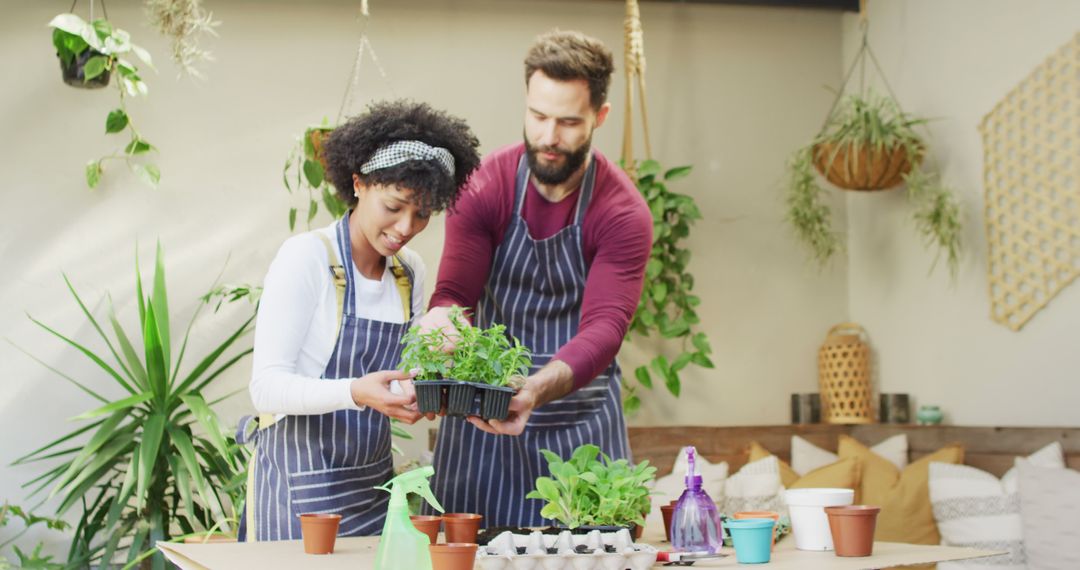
742,515
453,556
428,525
319,532
665,511
852,529
461,527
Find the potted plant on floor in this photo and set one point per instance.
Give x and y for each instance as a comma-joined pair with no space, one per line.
479,377
157,463
305,169
590,490
89,53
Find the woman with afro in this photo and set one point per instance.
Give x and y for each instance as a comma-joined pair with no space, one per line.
336,302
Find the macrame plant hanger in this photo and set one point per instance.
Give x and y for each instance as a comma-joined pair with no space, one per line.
353,84
104,12
634,57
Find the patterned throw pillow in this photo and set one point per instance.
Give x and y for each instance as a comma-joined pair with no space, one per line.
805,456
756,487
1050,509
973,508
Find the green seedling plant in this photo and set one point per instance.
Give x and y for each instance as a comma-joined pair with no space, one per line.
590,489
103,48
486,356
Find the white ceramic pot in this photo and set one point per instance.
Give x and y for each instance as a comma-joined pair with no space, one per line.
809,523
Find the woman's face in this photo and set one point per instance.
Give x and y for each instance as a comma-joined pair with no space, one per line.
387,216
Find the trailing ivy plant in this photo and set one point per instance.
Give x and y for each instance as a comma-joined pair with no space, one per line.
102,49
34,558
305,170
589,489
667,305
487,356
878,124
157,462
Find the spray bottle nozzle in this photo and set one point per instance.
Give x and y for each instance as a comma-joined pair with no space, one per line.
693,480
415,481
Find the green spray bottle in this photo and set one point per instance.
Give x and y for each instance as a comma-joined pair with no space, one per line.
401,545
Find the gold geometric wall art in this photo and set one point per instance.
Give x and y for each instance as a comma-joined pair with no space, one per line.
1031,173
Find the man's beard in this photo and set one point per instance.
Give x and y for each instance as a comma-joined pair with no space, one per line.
553,173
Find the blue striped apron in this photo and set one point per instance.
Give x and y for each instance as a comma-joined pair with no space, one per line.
329,463
535,288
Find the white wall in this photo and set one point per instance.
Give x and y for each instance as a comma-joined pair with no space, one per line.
732,91
953,61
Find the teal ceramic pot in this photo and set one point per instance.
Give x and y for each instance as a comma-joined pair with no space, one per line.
752,539
929,415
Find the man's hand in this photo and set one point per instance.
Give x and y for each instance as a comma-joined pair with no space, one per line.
551,382
439,318
373,390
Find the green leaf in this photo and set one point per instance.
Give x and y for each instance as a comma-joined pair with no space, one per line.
116,121
677,172
701,342
135,366
148,454
159,299
292,219
157,370
207,419
702,360
114,406
681,361
659,291
642,375
648,167
139,146
631,405
313,209
313,172
671,380
93,173
94,67
148,173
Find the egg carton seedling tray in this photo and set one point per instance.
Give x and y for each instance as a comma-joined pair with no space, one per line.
593,551
461,398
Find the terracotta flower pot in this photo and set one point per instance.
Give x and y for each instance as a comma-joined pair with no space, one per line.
428,525
319,532
761,515
852,529
665,511
863,168
461,527
453,556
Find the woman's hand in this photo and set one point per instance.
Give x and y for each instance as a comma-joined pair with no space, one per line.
373,390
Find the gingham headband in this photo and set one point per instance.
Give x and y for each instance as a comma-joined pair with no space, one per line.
397,152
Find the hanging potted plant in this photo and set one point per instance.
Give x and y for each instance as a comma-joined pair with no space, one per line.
305,169
89,53
591,491
867,144
478,378
183,22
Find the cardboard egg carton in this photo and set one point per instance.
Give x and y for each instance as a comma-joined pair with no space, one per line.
537,551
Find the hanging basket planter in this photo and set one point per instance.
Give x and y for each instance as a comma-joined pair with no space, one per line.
314,141
73,71
862,167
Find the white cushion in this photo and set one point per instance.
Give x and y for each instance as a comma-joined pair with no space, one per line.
669,487
1049,511
974,508
805,456
756,487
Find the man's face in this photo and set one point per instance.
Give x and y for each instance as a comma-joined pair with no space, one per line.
559,122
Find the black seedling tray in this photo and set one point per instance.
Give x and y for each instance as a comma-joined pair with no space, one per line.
460,398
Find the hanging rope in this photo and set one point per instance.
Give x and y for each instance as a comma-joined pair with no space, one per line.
634,57
354,80
103,10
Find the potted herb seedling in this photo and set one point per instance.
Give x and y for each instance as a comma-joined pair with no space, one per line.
305,168
89,53
485,369
590,490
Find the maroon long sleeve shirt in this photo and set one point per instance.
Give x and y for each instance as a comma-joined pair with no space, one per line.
616,238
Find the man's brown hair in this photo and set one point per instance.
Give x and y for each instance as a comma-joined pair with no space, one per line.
566,56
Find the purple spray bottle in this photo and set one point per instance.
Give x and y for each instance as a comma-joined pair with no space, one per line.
695,524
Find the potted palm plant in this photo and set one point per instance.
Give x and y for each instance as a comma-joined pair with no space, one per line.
89,53
868,144
157,463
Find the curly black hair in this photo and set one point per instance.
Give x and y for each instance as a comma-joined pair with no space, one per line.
352,144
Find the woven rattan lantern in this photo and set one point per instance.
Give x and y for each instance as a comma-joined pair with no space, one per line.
844,376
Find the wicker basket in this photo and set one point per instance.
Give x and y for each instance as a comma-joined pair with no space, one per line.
844,376
862,168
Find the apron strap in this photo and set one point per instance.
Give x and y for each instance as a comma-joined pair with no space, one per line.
403,280
337,274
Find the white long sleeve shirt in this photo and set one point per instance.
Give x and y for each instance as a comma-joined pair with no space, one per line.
295,330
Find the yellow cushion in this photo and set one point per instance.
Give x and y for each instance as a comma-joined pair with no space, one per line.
904,496
844,474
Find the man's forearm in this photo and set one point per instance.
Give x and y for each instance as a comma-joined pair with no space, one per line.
551,382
